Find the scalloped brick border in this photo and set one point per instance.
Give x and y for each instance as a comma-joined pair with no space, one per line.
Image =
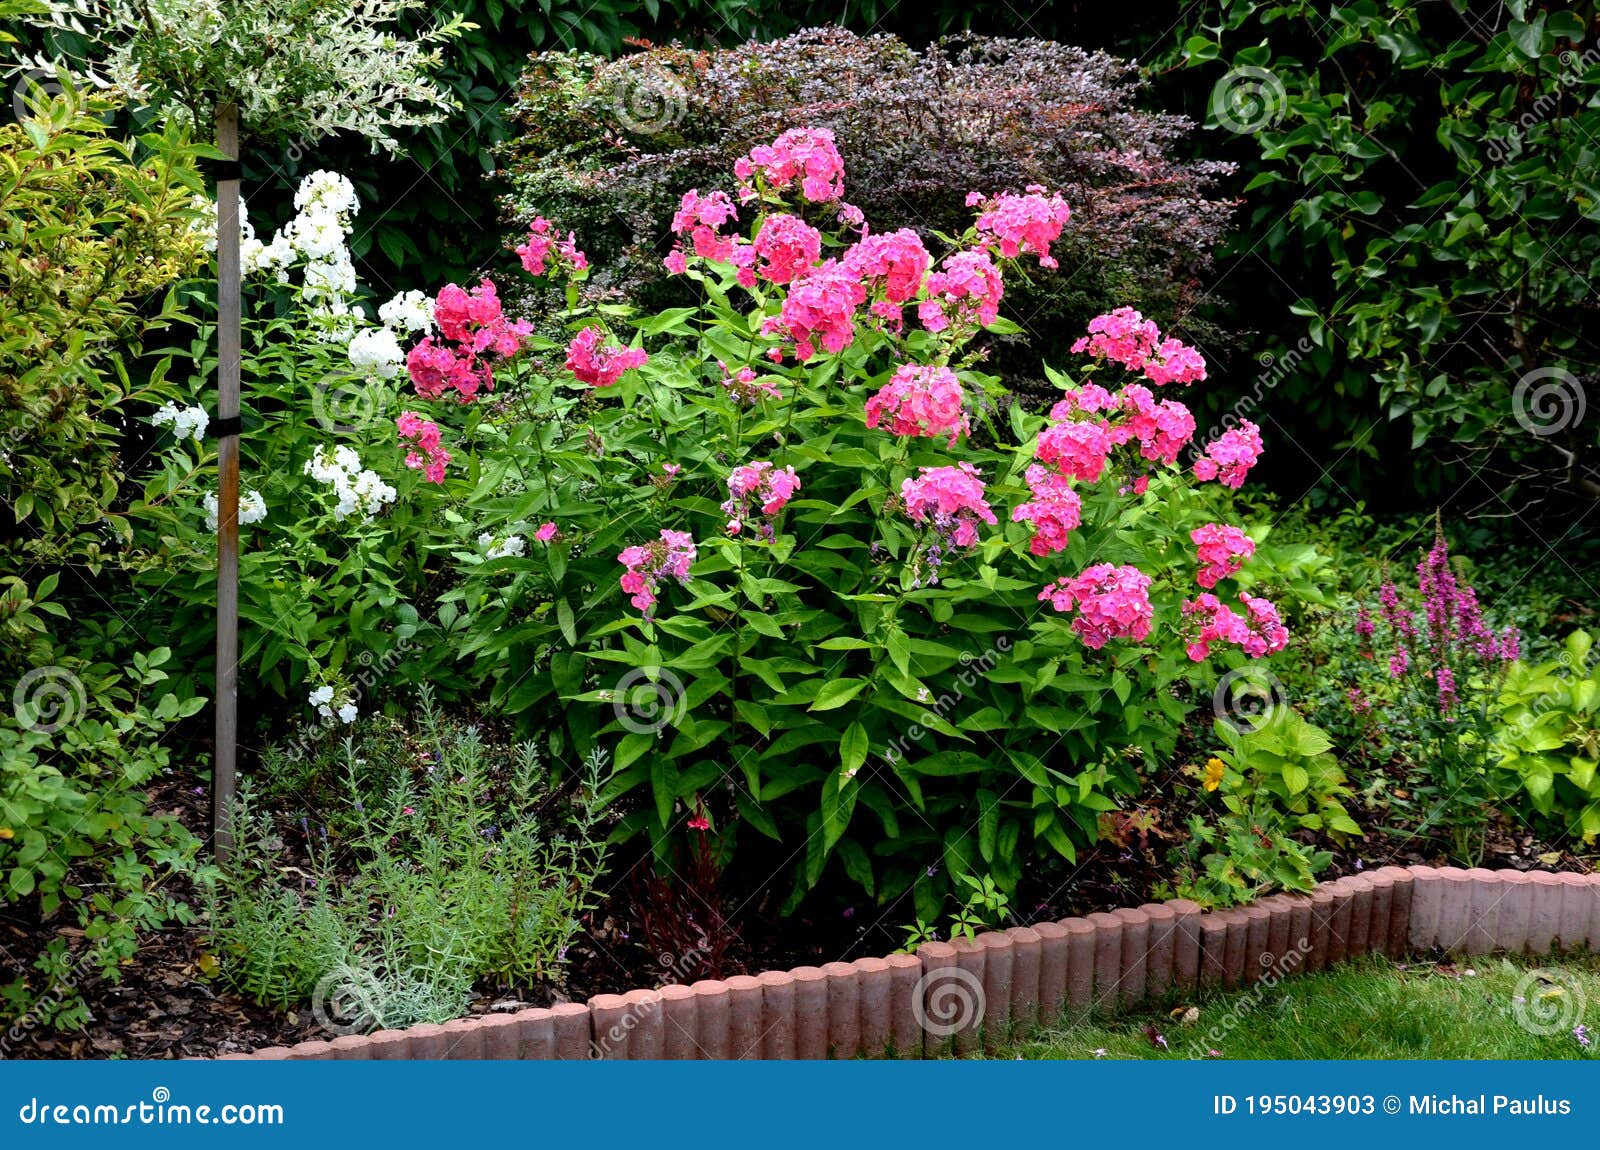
875,1007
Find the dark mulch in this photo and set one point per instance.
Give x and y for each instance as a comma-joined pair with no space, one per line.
166,1007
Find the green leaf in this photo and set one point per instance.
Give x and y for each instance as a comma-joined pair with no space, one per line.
837,693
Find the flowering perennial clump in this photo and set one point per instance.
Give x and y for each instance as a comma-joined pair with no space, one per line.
647,564
758,490
921,401
1125,337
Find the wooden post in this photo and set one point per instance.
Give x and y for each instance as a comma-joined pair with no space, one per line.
228,370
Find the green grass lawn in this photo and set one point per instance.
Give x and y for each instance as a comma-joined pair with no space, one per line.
1488,1007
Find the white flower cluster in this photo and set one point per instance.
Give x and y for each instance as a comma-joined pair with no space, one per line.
375,353
186,422
252,509
510,546
322,699
355,488
410,312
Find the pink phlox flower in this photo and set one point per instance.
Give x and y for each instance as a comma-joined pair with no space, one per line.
1078,448
1111,602
760,485
428,454
647,564
964,292
545,243
600,366
786,248
921,401
1055,510
1229,457
951,499
1258,632
820,307
743,386
1027,223
1221,551
807,156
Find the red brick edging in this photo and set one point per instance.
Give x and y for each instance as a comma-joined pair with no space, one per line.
972,994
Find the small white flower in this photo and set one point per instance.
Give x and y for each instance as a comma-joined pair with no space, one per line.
409,312
252,509
186,423
348,713
327,193
375,352
320,695
511,545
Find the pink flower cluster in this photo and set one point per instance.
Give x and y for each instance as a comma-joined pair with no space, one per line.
1077,448
894,262
807,156
647,564
1221,550
1054,511
786,247
744,388
921,401
700,218
951,499
1017,224
428,454
600,366
1112,603
965,293
545,244
820,307
1229,457
473,333
1125,337
762,486
1258,633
